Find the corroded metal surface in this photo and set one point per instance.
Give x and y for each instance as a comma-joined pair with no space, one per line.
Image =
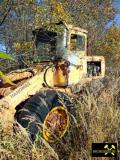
56,124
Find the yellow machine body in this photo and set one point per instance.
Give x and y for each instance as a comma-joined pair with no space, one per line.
81,69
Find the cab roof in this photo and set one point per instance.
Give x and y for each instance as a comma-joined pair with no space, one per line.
68,26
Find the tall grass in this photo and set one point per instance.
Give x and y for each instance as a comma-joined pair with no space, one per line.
97,120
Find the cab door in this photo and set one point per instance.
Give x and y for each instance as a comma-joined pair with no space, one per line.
77,44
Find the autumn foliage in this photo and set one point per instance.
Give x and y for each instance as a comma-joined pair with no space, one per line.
110,47
19,18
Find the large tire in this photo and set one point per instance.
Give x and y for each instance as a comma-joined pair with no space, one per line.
35,110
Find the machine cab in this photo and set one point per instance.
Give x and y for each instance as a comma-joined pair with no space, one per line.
70,43
61,39
76,41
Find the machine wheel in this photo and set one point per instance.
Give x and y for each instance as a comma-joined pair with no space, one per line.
48,112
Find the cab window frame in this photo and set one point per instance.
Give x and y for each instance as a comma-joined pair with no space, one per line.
76,48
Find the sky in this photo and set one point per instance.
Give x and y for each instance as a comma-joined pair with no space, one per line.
117,19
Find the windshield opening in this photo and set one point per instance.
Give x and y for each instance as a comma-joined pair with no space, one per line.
46,43
77,42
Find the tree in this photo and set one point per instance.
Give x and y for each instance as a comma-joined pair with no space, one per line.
92,15
110,47
4,77
26,15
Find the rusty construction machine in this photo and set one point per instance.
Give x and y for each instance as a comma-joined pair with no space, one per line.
41,98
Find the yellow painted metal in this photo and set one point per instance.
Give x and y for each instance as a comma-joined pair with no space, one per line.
56,124
60,75
20,94
77,75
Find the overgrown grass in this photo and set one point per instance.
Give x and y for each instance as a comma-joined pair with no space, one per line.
97,120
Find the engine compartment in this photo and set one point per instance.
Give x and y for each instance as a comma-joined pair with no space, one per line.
93,68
